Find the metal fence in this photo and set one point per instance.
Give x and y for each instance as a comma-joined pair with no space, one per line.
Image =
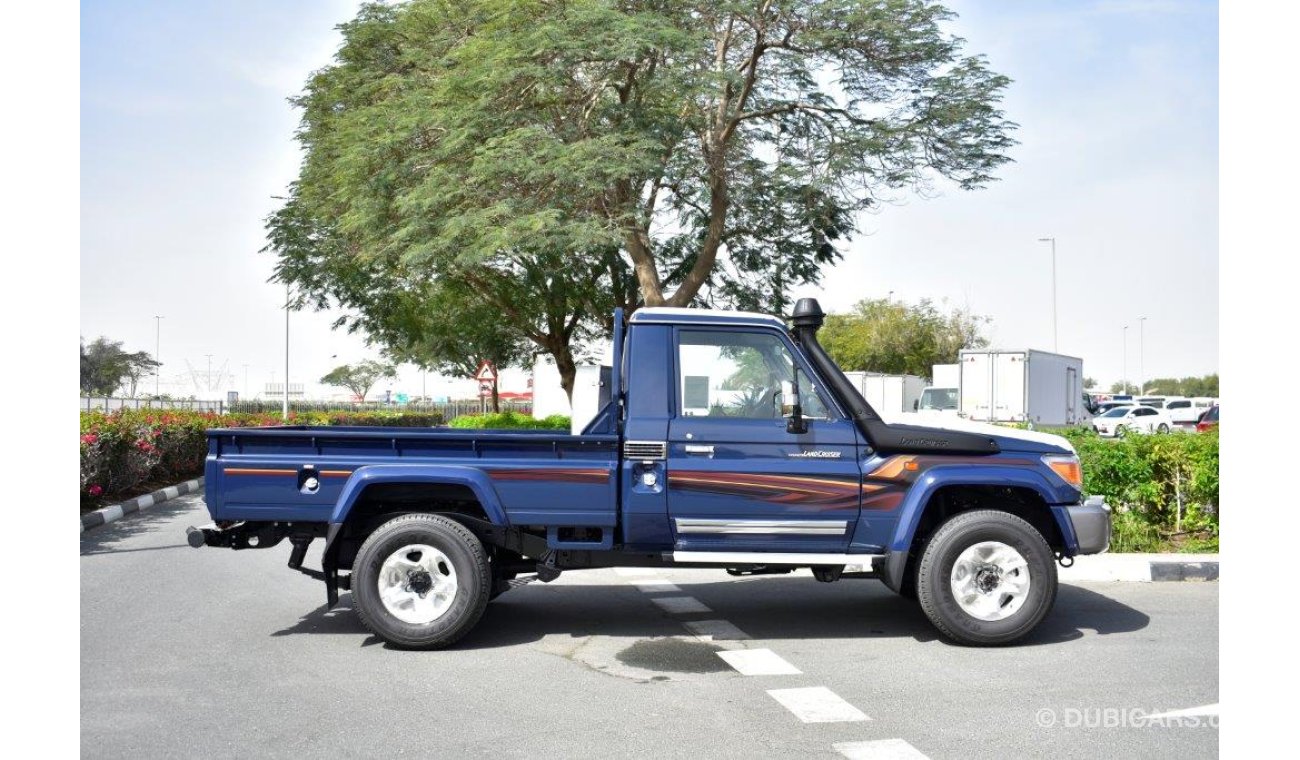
448,410
112,404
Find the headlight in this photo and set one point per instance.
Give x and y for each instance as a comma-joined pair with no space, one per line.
1067,467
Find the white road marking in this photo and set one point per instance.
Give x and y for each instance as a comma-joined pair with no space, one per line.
113,513
631,572
655,585
679,605
171,492
817,704
758,662
881,749
1191,712
144,502
715,630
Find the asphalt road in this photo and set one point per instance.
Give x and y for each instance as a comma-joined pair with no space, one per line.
198,653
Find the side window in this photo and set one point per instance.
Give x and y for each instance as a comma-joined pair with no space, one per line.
740,375
1178,405
1145,412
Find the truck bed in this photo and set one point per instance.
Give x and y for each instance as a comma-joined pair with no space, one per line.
539,477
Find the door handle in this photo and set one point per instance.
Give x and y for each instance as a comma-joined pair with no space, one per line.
696,448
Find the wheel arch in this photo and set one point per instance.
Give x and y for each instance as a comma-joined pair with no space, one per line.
377,492
940,494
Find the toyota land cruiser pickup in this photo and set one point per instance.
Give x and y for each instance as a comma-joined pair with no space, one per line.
726,440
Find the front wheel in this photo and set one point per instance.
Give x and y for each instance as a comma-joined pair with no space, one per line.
1120,431
1162,429
421,581
986,578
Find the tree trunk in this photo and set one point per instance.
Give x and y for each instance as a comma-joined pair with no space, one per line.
496,399
563,355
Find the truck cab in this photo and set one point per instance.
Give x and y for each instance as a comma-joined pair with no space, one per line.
724,439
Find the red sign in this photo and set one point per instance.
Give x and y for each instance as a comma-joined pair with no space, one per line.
486,372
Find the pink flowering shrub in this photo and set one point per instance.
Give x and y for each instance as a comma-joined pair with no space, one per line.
122,450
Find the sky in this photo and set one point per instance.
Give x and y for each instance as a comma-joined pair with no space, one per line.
187,140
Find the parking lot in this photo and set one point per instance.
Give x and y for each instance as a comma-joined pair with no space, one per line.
209,652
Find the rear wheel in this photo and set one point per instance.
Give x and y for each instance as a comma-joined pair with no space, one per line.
986,578
421,581
1163,428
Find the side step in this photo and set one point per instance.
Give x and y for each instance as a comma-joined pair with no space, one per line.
796,559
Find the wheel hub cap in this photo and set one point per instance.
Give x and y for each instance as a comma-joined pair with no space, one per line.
990,580
417,584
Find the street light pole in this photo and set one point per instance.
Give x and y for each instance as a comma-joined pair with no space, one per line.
245,381
1142,358
1052,240
1126,358
284,411
209,375
157,353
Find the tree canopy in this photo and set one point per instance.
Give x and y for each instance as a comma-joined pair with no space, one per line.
359,378
1207,385
565,158
105,367
880,335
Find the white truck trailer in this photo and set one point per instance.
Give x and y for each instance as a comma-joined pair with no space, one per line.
888,394
1032,386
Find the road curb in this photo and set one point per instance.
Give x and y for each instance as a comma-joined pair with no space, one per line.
1143,568
115,512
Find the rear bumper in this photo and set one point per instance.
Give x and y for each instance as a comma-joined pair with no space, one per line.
1091,521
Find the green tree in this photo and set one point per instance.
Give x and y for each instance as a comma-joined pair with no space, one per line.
881,335
1089,383
359,378
644,153
105,367
1207,385
448,329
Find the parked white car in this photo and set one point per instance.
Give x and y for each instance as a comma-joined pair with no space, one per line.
1122,420
1186,411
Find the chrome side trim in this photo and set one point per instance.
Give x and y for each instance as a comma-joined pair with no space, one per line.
770,558
759,527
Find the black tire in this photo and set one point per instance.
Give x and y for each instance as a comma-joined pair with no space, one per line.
934,586
1120,431
473,580
1163,428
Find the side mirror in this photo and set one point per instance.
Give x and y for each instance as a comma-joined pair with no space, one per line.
796,424
916,404
786,400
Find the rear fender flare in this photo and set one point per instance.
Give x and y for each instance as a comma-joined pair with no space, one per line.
478,482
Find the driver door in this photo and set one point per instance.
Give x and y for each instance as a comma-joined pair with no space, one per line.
737,480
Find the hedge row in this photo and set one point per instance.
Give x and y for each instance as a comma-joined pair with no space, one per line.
510,421
1164,488
123,451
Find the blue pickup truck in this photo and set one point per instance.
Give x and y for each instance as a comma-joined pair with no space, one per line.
726,440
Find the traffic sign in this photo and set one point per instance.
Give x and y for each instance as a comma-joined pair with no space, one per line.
486,372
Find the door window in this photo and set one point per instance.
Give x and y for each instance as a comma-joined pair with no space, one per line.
745,375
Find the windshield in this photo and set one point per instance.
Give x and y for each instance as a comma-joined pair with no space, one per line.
939,398
1212,415
1118,411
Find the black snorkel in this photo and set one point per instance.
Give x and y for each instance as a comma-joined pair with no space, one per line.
885,438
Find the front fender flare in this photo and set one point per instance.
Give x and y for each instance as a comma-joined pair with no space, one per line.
918,498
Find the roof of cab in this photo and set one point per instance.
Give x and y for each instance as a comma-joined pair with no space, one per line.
672,315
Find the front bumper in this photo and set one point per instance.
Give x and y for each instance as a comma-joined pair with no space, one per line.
1091,521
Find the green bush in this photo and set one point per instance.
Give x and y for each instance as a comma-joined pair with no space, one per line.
1164,488
510,421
